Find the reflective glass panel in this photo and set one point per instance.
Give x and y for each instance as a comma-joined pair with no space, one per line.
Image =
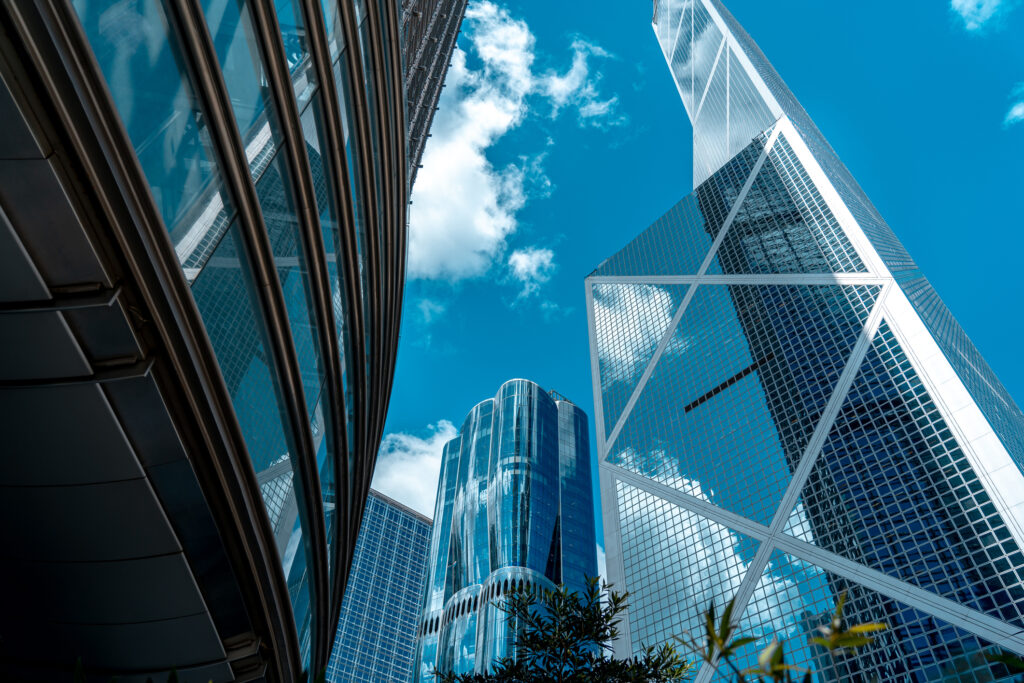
676,563
892,489
794,598
146,76
296,49
731,405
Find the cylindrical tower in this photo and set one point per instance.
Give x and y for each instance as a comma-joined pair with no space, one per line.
515,509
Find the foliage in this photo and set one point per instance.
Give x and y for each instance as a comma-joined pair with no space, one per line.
564,637
721,644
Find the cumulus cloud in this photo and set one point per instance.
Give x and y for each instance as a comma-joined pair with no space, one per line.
602,564
630,320
1016,111
578,88
977,13
532,267
464,206
408,466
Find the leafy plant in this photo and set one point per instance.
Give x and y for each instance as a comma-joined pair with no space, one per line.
565,637
721,644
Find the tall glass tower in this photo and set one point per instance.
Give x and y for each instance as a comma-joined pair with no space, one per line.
514,508
202,258
787,411
376,636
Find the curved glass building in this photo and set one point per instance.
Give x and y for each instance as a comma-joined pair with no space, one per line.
514,507
202,241
785,409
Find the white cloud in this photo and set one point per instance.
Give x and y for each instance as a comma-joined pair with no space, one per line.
976,13
602,564
578,88
1016,112
430,309
532,267
408,466
630,321
464,207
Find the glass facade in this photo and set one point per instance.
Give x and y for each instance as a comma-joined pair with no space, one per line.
787,411
376,636
514,508
268,178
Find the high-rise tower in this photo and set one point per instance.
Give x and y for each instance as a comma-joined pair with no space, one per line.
202,257
514,507
376,636
786,410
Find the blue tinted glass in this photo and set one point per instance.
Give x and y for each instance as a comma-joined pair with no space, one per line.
892,489
793,598
376,636
230,25
739,389
145,74
278,208
296,49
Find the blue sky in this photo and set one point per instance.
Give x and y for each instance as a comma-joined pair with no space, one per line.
560,137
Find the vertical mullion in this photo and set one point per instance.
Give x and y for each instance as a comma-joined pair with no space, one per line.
190,28
384,101
349,272
361,134
268,34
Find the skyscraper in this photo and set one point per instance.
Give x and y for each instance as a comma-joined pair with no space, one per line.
785,408
202,246
429,31
376,637
514,508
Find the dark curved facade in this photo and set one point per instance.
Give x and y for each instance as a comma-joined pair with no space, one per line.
514,507
203,238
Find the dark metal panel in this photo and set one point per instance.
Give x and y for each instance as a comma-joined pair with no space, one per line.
145,418
124,592
111,521
19,279
161,645
62,436
42,215
39,345
18,140
104,332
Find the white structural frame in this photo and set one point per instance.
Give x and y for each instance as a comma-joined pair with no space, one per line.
999,475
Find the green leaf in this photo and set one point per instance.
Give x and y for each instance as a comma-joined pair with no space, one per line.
1011,661
867,628
767,655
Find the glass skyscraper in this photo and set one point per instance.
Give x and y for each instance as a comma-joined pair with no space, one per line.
376,636
202,247
514,508
785,408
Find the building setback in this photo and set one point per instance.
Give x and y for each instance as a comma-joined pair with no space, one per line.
202,248
376,637
514,508
785,409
